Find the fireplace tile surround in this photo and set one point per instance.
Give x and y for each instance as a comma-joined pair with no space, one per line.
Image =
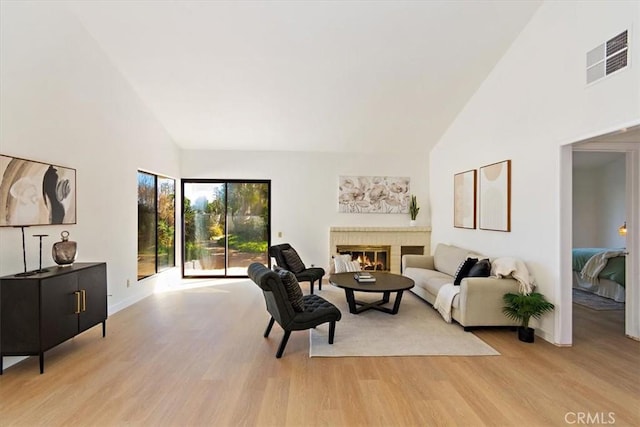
394,237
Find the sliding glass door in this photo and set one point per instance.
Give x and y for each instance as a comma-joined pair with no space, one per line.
226,226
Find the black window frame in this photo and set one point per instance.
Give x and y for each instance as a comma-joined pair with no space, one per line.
172,257
184,181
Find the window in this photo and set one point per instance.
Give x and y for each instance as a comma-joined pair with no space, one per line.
156,224
225,225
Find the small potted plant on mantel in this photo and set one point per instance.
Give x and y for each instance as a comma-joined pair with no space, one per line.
413,210
522,307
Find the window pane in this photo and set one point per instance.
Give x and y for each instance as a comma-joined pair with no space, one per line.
225,226
166,223
146,225
204,229
247,222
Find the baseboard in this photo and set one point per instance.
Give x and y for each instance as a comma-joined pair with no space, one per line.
112,309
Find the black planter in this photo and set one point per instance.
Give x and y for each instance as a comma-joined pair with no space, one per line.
525,334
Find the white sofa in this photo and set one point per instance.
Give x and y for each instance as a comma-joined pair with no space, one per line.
479,302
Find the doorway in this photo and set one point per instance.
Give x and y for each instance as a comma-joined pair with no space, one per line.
599,233
626,141
225,226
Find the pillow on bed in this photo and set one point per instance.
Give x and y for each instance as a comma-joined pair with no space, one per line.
463,270
481,268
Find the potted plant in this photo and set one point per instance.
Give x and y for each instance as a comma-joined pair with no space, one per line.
522,307
413,209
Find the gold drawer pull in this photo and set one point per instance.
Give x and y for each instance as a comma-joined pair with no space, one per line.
77,302
84,300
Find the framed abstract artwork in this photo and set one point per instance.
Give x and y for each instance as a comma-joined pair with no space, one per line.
495,196
373,194
36,193
464,199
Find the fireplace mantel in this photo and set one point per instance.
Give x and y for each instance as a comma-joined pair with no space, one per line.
395,237
380,229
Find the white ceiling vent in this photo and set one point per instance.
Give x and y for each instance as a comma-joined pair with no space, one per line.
608,58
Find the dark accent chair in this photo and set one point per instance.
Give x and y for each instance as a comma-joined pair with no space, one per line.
317,310
303,275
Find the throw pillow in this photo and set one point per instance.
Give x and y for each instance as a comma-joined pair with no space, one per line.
481,268
293,260
344,264
463,270
291,285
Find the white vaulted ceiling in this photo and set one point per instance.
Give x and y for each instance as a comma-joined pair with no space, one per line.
305,75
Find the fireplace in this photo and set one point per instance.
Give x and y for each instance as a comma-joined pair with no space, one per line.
398,239
370,257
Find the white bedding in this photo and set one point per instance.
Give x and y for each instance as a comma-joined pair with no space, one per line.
603,287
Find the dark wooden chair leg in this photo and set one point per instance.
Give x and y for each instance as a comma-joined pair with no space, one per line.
283,344
268,330
332,331
320,284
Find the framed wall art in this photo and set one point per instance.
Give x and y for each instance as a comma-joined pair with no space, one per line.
373,194
495,196
36,193
464,199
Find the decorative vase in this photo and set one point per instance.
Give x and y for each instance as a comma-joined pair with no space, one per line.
64,252
526,334
412,223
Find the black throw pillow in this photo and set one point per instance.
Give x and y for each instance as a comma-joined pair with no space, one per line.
482,268
294,293
293,260
463,270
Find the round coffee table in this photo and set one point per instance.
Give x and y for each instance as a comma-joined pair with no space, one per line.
385,283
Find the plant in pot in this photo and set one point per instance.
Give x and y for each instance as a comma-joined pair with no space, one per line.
413,210
522,307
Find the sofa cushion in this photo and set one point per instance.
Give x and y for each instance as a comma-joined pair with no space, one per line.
429,280
481,269
446,258
463,270
294,293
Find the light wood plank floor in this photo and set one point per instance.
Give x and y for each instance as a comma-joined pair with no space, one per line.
197,358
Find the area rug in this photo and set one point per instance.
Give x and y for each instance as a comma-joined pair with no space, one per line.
595,302
417,330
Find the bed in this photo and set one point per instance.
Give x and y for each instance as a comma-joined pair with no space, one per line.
608,264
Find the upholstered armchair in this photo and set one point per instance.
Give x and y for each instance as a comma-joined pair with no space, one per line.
286,257
287,306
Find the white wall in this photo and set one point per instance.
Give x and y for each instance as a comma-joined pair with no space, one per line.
304,190
613,203
585,208
63,102
534,101
599,206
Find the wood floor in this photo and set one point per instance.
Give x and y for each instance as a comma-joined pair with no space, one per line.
197,358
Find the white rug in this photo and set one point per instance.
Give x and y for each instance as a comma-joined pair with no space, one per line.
417,330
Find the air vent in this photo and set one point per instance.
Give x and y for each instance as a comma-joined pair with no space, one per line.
608,57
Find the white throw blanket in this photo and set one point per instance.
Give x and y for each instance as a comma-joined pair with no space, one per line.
513,267
596,264
444,300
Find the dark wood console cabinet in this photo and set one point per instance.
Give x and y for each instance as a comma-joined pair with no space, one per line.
40,311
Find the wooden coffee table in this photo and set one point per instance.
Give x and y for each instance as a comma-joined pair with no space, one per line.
385,283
